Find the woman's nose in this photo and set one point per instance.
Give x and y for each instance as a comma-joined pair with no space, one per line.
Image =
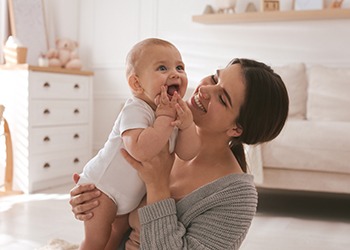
204,92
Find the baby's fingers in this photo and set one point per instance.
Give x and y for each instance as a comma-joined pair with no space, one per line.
164,95
175,98
179,110
157,100
176,123
180,116
182,104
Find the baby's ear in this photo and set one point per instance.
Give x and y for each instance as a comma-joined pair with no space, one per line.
134,84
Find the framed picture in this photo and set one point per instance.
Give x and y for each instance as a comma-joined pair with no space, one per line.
28,25
270,5
308,4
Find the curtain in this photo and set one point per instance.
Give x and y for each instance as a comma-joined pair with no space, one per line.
4,27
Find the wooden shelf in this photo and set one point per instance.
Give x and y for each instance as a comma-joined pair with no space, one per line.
273,16
45,69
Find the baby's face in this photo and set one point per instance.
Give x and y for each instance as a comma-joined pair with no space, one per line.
163,66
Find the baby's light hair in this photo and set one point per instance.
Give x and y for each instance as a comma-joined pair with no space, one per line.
132,59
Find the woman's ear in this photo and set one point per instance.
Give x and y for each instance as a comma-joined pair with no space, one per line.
235,131
134,84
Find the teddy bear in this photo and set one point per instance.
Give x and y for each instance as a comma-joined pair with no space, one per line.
65,55
50,58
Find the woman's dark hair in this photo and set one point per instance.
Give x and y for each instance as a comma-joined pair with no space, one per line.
265,108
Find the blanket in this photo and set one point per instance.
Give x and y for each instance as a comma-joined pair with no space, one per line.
58,244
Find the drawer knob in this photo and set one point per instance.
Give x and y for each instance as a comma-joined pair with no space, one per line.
46,139
46,85
46,111
76,111
76,160
76,86
46,165
76,136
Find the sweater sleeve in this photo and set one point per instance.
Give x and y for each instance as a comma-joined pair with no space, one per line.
218,221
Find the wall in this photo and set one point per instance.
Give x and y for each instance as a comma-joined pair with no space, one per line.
63,19
108,28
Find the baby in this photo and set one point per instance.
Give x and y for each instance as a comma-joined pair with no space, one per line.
153,118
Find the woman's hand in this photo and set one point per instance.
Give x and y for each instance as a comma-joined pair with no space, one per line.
155,173
83,199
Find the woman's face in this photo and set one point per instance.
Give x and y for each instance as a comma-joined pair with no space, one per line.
216,102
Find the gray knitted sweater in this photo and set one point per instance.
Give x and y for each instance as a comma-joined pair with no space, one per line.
215,216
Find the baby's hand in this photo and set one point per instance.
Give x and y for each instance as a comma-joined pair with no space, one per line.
184,117
166,107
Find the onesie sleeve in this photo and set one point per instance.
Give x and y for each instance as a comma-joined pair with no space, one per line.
136,114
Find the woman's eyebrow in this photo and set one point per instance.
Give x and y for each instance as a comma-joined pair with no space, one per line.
224,90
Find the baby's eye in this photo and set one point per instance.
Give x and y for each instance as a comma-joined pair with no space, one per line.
180,68
214,78
162,68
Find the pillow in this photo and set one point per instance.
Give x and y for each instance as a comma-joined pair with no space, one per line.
328,94
295,79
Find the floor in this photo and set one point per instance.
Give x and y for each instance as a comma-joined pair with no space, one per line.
284,221
303,221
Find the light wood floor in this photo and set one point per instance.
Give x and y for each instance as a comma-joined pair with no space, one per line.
285,221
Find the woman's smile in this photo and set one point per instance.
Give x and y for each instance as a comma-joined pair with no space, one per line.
195,101
198,102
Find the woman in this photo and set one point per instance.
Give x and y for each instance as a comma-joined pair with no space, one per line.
210,201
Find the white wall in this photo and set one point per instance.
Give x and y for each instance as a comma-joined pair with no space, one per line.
63,19
108,28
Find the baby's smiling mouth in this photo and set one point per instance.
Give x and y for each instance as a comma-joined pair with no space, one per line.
172,88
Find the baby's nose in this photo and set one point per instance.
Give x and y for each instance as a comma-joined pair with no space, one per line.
174,74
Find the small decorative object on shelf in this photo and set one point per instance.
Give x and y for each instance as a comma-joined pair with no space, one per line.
336,4
65,55
15,52
225,6
308,4
251,7
286,5
270,5
274,16
208,10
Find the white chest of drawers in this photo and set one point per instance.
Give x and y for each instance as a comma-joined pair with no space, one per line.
49,112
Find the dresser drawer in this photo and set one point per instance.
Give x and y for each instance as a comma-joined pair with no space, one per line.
49,111
52,139
55,165
58,112
49,86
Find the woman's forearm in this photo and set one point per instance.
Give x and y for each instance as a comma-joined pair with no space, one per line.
156,194
168,227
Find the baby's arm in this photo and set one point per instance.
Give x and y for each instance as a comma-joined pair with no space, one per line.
188,141
144,144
